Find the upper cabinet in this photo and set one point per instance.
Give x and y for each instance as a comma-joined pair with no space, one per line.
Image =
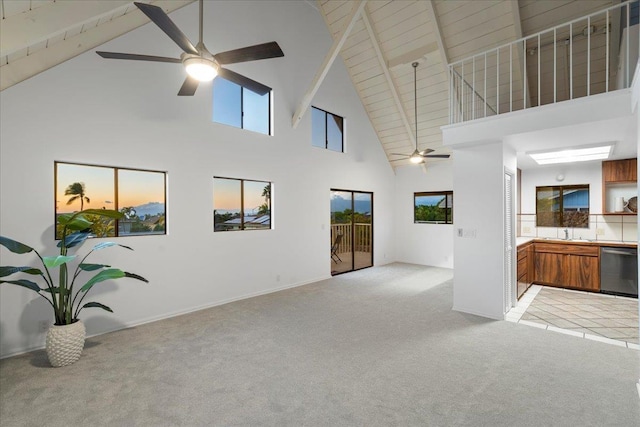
619,184
616,171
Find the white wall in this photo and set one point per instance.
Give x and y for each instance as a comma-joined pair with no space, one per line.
574,174
426,244
478,187
127,114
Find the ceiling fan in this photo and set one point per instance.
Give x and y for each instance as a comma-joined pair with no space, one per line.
418,156
200,64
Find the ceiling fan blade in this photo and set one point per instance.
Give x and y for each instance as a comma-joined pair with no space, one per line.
136,57
250,53
437,156
243,81
398,154
426,151
162,20
188,87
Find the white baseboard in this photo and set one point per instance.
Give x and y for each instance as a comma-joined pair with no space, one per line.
477,313
177,313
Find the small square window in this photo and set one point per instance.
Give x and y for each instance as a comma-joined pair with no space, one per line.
241,204
562,206
433,207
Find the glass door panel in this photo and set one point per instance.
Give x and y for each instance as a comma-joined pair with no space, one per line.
341,219
351,231
362,230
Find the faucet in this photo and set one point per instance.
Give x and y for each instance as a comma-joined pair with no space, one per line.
566,234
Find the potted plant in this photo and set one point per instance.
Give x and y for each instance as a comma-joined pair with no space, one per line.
65,339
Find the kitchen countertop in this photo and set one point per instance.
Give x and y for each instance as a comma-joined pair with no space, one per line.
522,240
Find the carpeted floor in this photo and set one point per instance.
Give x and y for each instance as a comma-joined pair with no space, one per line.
376,347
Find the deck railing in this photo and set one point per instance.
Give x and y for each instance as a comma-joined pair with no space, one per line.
590,55
362,237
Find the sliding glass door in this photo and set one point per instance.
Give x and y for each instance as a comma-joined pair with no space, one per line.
351,230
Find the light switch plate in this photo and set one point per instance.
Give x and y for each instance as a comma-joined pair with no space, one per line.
600,231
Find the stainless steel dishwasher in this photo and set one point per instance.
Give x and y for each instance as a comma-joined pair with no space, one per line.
619,271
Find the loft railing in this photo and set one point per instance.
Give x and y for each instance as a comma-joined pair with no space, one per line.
590,55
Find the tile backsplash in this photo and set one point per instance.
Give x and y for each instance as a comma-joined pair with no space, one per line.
620,228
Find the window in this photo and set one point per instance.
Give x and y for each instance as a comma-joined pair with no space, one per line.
240,204
240,107
562,206
433,207
327,130
139,194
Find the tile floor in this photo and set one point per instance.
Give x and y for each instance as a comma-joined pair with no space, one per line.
599,317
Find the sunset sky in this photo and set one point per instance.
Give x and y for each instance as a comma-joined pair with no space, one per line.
135,187
226,194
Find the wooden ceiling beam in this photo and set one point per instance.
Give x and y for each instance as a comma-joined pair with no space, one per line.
437,30
338,42
389,79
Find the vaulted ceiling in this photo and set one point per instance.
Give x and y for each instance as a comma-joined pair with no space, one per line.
378,41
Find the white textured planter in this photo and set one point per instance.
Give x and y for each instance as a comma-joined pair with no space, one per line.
65,343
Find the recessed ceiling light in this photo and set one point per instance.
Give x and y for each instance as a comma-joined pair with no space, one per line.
573,155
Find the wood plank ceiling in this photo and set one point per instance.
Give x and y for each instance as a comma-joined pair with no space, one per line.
388,35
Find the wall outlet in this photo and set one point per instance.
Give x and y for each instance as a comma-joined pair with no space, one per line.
526,229
43,326
600,231
277,277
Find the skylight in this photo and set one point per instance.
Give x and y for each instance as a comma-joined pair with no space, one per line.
573,155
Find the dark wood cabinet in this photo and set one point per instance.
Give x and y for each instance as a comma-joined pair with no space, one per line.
548,268
620,170
583,272
525,267
568,265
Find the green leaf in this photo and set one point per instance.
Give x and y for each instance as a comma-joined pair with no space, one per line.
109,244
25,283
97,305
73,239
8,270
92,267
135,276
14,246
64,218
78,223
57,290
55,261
111,273
109,213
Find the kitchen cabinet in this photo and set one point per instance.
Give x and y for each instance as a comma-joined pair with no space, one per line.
619,179
525,267
568,265
620,170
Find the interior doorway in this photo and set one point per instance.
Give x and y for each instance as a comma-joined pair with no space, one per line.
351,230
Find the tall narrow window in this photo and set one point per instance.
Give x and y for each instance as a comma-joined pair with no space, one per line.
562,206
327,130
240,204
240,107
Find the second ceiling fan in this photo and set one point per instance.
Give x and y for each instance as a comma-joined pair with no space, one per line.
418,156
199,63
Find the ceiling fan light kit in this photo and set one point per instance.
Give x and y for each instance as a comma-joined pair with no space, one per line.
201,69
199,63
416,158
